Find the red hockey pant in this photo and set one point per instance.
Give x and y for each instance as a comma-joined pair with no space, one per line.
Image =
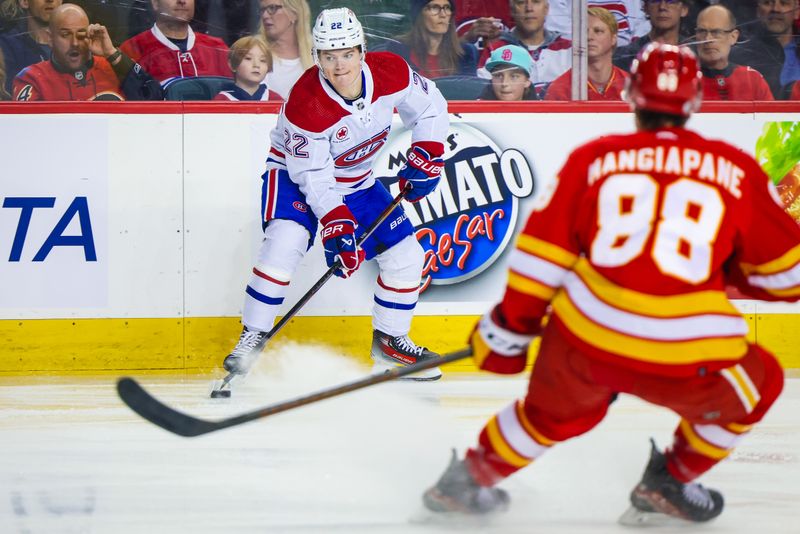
569,393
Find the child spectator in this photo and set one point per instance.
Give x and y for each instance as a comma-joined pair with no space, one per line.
510,67
432,46
250,61
604,79
716,34
550,52
84,65
286,27
631,22
171,49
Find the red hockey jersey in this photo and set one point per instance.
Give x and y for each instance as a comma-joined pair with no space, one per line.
164,61
735,82
634,243
42,81
796,91
561,88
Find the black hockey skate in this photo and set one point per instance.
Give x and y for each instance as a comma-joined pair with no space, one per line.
660,498
457,491
396,351
249,346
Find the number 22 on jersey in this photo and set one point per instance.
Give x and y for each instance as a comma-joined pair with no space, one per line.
685,222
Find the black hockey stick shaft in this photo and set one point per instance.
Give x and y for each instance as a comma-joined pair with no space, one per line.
158,413
325,277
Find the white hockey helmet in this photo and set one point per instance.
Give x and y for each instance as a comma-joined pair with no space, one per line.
335,29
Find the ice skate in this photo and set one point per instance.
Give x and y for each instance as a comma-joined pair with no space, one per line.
661,499
396,351
457,491
249,346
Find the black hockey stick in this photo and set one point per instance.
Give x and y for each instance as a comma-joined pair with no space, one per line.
221,391
158,413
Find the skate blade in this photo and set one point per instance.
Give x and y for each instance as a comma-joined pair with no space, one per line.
428,375
633,517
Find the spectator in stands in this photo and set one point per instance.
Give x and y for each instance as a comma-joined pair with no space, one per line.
432,47
772,48
481,21
631,21
10,13
85,65
795,95
171,49
510,66
550,52
605,80
229,20
665,18
716,33
4,94
250,62
29,41
286,27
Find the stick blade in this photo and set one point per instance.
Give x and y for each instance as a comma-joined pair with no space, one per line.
158,413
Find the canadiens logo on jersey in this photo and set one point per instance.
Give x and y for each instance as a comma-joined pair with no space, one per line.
467,222
362,151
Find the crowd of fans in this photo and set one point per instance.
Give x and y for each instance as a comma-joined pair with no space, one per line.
510,49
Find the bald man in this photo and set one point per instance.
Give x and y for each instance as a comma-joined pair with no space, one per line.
715,35
85,65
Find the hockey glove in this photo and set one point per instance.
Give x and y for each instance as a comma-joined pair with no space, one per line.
497,349
422,171
339,240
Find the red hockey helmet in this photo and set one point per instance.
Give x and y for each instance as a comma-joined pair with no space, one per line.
665,78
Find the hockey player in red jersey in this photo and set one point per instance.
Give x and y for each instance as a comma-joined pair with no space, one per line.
171,49
85,65
651,227
327,138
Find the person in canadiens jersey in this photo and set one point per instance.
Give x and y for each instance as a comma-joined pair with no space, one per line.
652,227
327,137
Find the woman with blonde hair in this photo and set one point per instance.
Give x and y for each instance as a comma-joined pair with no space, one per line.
286,27
432,46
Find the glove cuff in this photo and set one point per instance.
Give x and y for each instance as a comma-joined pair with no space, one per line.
339,213
434,149
500,340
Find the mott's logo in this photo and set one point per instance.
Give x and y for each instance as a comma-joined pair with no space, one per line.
467,222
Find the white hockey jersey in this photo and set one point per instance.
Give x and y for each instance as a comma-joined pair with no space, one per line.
631,20
328,144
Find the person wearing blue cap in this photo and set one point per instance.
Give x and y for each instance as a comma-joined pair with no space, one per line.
510,67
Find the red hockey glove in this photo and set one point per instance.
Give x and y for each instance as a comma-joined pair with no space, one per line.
497,349
339,240
422,171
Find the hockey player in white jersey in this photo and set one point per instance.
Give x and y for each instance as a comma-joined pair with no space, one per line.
328,135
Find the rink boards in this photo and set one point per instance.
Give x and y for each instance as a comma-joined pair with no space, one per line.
126,239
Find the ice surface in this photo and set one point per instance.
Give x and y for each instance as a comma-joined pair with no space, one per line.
76,460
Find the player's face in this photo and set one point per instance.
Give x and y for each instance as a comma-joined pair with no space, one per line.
40,10
182,10
509,83
665,14
529,15
254,66
277,19
343,69
600,40
777,15
436,16
715,37
70,48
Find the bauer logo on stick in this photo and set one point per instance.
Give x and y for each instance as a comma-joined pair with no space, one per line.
464,224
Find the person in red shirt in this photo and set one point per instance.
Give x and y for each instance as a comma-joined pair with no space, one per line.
605,80
171,49
651,228
716,34
250,62
795,91
84,65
